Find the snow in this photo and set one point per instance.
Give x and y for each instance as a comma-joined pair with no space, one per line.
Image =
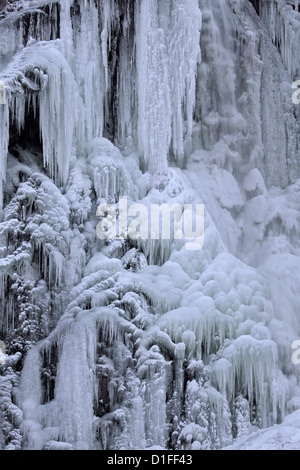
284,436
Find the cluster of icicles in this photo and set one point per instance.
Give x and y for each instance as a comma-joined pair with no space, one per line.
73,97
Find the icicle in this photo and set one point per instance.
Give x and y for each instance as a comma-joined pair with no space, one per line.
30,386
58,117
76,368
127,105
283,25
185,55
166,68
89,74
154,93
154,397
66,33
107,11
30,399
4,139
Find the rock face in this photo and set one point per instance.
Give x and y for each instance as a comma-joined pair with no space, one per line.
134,342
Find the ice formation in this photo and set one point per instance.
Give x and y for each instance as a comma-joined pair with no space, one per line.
134,344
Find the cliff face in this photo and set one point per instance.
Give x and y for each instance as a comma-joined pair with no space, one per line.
139,341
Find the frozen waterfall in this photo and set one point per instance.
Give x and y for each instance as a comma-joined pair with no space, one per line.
127,344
